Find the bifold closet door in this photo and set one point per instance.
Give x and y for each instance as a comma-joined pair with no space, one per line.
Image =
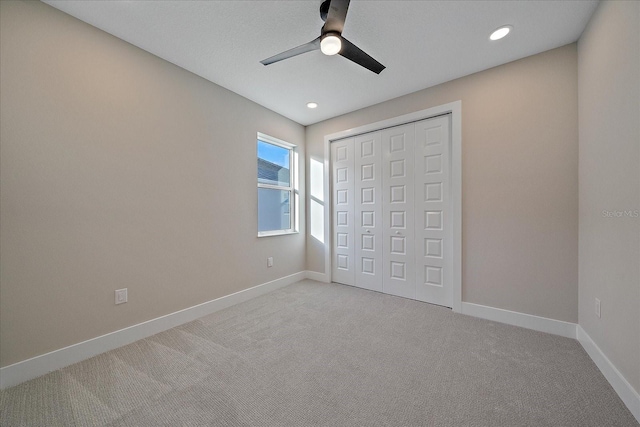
434,228
368,211
343,177
392,216
398,211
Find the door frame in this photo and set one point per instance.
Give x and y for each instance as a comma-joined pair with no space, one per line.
453,108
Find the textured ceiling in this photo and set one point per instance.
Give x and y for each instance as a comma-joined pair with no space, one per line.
422,44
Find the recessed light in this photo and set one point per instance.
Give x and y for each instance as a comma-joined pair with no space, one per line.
500,32
312,105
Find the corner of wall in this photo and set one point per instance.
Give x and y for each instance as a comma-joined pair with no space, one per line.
609,195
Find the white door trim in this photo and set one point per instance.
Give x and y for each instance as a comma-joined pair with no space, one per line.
455,108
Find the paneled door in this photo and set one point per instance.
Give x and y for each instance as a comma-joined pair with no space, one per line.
392,217
434,228
398,211
368,211
343,180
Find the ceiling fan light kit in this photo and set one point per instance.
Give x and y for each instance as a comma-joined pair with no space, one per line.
331,41
330,44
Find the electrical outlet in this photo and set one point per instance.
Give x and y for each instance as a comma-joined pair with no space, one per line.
270,261
597,307
121,296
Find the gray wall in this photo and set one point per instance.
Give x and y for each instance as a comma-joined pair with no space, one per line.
519,180
119,169
609,94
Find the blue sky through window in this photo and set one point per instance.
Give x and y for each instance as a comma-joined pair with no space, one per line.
274,154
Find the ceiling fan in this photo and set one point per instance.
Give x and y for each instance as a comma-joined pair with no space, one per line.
331,42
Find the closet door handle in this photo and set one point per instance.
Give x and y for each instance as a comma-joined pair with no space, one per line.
397,232
368,231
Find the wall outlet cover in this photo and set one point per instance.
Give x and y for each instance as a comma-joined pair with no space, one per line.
121,296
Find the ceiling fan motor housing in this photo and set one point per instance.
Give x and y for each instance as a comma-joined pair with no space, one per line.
324,9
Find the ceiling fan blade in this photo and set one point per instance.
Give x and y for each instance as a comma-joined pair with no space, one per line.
357,55
336,16
307,47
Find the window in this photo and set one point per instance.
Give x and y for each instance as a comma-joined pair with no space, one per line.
277,186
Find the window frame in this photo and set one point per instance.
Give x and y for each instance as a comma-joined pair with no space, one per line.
292,188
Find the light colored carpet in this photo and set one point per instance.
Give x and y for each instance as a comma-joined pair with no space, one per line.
327,355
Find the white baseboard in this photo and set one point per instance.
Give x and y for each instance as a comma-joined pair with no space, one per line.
319,277
36,366
627,393
31,368
629,396
528,321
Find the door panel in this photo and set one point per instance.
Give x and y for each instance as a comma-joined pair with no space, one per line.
343,180
434,232
368,211
398,211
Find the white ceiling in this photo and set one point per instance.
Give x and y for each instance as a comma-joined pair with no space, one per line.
422,44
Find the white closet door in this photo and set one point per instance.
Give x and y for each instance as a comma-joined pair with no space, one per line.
434,228
368,211
343,162
398,211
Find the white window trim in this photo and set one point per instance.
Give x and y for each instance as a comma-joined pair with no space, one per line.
294,201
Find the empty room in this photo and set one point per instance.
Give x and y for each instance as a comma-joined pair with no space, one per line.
319,213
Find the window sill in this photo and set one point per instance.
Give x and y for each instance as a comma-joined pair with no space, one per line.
276,233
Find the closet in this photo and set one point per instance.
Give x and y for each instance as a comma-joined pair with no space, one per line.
391,211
